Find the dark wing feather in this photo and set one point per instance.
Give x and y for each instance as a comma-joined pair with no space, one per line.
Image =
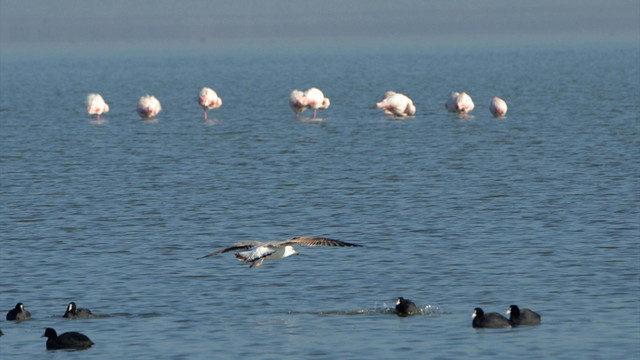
314,241
74,340
243,245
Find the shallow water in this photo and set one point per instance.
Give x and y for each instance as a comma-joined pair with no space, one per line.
538,209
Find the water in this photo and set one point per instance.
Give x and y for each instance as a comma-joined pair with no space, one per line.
538,209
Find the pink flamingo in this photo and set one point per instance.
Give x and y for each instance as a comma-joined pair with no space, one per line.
209,100
148,106
297,102
96,105
314,98
386,95
399,105
498,107
459,103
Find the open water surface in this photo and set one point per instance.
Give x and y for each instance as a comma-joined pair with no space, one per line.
538,209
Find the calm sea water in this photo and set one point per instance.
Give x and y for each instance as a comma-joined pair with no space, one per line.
539,209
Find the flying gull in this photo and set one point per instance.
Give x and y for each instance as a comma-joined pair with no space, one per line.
256,251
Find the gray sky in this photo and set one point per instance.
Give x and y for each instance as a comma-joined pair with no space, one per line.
73,22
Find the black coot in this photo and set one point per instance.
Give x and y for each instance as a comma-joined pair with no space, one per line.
18,313
74,313
490,320
523,316
405,307
68,340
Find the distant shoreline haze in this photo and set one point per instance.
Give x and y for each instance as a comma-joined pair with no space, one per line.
326,23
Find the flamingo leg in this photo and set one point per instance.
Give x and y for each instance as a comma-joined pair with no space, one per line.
314,113
205,114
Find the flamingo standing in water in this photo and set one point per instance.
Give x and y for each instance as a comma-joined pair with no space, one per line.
209,100
498,107
386,95
314,98
400,105
459,103
96,105
148,106
297,102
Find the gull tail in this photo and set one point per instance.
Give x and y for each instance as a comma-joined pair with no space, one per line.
246,256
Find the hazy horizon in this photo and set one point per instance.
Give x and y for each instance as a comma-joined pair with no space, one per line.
93,23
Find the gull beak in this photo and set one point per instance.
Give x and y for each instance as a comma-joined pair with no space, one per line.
295,252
